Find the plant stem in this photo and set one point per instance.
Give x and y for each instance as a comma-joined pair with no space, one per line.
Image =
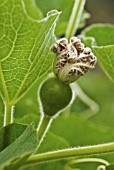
89,160
43,127
86,99
8,115
73,152
75,18
76,161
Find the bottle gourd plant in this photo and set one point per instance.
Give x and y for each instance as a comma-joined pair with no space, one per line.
28,49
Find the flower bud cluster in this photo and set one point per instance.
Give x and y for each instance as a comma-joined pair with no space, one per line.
72,60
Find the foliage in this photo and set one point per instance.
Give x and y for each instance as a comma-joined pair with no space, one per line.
23,58
102,45
17,143
25,61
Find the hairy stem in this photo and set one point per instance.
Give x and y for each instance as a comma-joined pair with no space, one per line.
8,115
102,161
86,99
75,18
43,127
76,161
73,152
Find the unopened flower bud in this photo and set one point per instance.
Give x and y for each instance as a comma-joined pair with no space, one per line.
72,60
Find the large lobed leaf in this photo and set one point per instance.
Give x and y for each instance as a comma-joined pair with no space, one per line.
24,47
100,38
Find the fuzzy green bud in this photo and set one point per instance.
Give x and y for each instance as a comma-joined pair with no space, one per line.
54,96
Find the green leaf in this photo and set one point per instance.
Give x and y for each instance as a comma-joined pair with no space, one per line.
80,132
102,45
56,142
8,134
55,165
20,145
25,43
76,131
102,33
66,8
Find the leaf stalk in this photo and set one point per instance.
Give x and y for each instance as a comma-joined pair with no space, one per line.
43,127
75,18
8,114
72,152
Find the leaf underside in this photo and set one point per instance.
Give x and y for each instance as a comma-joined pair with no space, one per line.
25,43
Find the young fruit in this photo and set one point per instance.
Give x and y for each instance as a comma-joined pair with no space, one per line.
54,96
